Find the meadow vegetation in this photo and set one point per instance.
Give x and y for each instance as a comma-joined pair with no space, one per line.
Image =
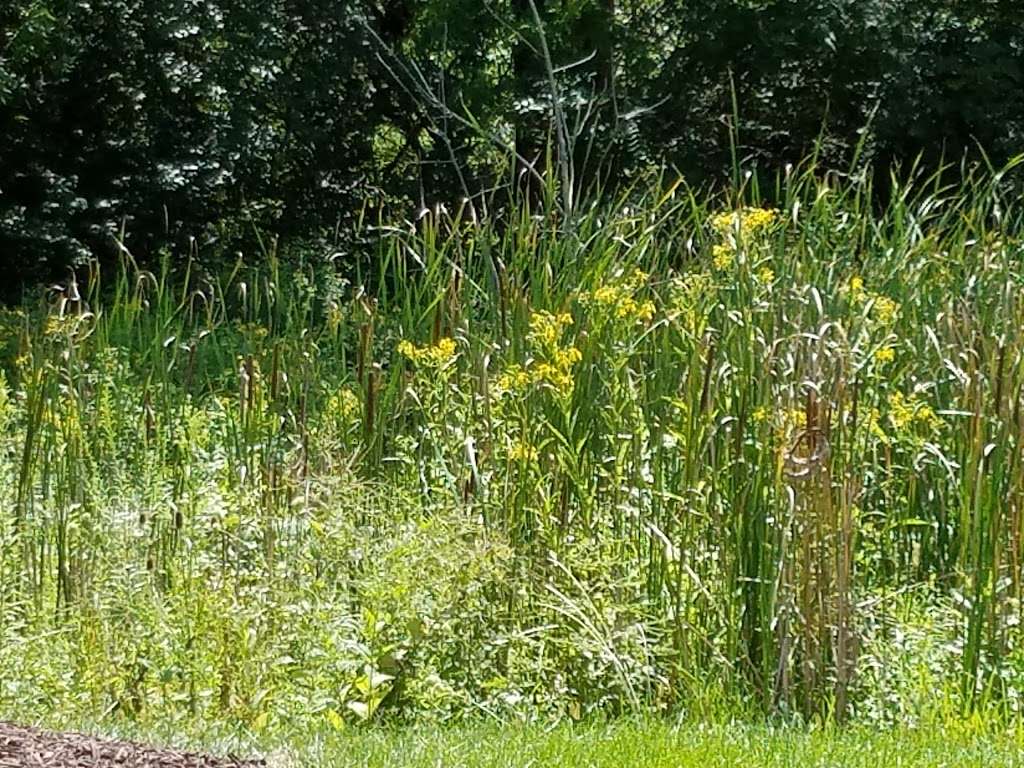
755,454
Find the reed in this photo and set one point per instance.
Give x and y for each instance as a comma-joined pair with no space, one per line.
682,443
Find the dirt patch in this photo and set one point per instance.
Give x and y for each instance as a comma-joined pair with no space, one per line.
31,748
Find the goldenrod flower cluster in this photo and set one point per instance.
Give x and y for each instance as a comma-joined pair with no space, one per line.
905,412
795,418
557,373
432,356
11,321
885,355
748,221
253,331
786,421
856,288
335,317
883,309
722,256
58,324
546,329
874,424
343,405
523,451
619,301
554,361
690,290
515,379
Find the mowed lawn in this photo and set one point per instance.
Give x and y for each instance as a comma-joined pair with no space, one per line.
624,745
663,747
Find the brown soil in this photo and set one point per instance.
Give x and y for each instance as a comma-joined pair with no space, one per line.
32,748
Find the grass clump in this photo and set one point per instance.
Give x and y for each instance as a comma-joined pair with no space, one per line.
680,454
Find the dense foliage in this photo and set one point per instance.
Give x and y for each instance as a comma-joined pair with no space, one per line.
187,122
680,458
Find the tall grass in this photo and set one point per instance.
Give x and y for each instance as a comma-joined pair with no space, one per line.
687,447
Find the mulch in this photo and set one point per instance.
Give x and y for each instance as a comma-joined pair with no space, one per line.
33,748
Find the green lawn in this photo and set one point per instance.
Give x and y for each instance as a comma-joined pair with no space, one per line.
629,744
653,746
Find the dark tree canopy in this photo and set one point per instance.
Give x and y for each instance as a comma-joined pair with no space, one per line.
190,122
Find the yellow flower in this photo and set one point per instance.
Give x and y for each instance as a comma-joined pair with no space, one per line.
342,408
904,412
335,318
554,372
407,349
722,256
761,414
434,355
927,416
514,379
723,222
765,275
546,328
884,309
638,278
645,311
797,417
346,404
757,219
630,308
56,324
749,221
790,422
885,355
619,299
445,349
901,412
523,452
554,376
255,331
689,291
567,357
875,425
857,287
554,362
